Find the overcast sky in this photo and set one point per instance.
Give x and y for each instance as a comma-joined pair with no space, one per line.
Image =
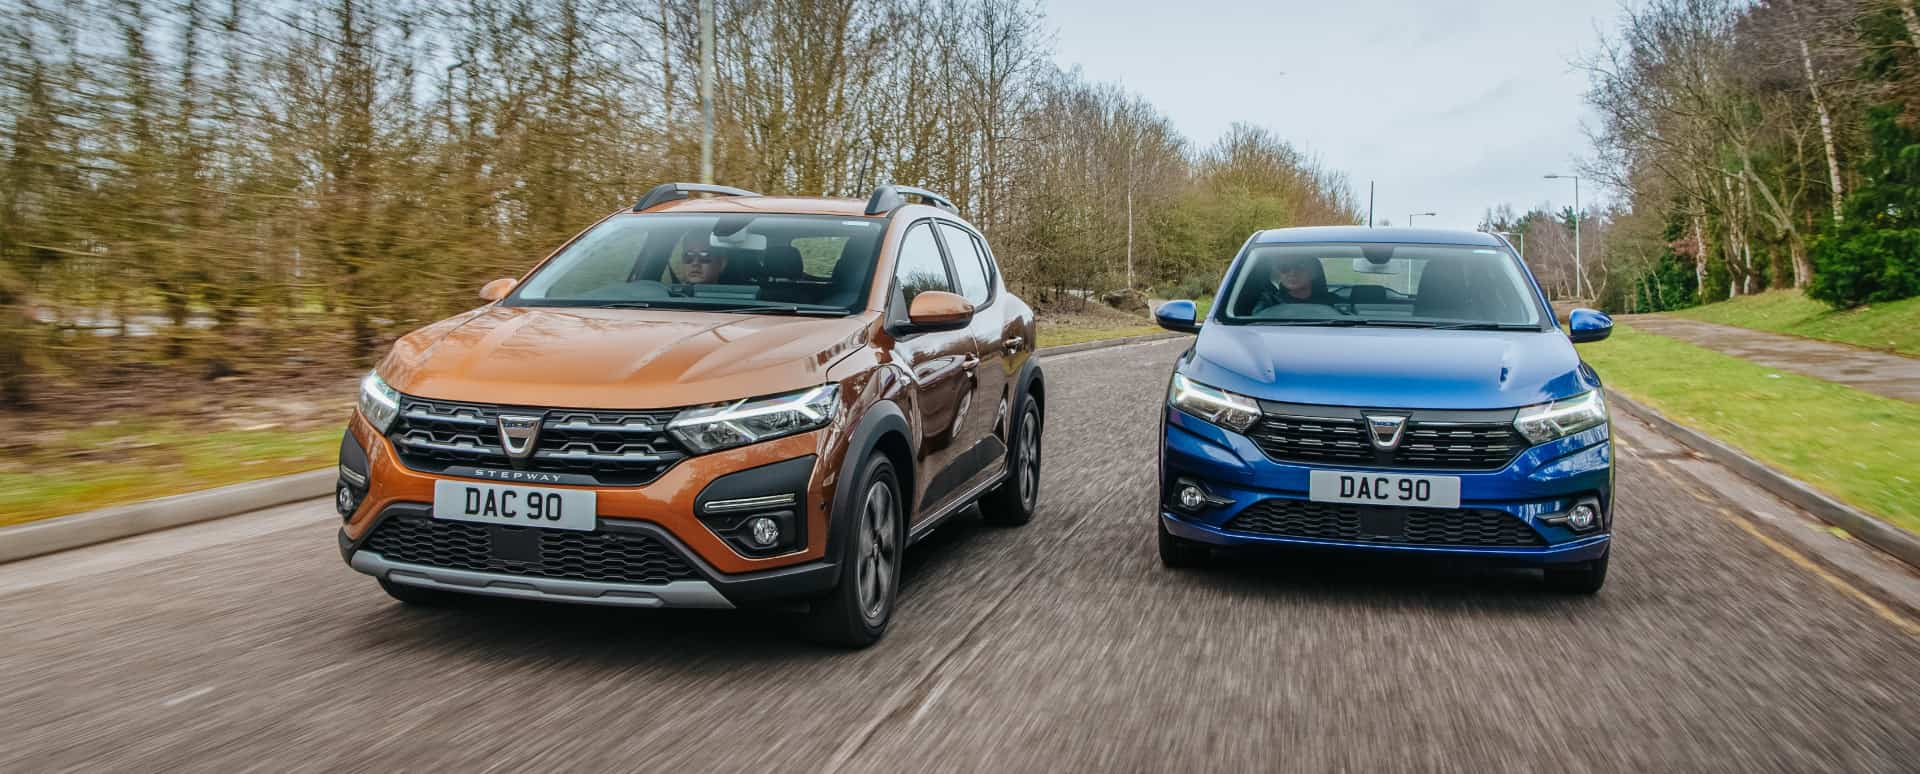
1448,106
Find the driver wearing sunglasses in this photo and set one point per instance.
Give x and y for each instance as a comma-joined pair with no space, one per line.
704,265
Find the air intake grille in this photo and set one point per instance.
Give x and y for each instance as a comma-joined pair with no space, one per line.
616,448
613,557
1386,525
1449,440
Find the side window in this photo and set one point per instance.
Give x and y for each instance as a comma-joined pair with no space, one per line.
920,267
968,264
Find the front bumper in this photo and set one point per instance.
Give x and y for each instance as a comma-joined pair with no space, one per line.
1541,483
707,588
664,510
686,593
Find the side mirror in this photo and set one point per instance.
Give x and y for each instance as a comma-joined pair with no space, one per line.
1584,325
498,289
938,310
1178,316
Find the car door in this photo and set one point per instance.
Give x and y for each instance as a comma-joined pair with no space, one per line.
941,363
985,450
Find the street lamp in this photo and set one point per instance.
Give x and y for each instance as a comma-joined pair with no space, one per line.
1412,215
1577,273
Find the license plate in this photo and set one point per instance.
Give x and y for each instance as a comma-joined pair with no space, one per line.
524,506
1333,486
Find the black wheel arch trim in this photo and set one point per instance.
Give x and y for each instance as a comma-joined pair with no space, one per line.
883,417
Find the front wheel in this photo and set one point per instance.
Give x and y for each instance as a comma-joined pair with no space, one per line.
856,612
1013,502
1582,578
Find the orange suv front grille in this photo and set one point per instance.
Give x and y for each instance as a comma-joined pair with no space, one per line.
614,448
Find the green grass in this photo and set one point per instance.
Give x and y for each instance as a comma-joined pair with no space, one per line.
1891,326
1053,335
1857,446
139,459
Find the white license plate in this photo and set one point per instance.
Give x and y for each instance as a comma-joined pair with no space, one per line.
1333,486
524,506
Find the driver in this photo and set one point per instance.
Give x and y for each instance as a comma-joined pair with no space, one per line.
1296,280
704,265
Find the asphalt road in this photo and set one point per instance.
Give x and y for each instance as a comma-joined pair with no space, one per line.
245,644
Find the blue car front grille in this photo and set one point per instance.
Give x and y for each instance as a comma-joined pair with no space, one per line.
1337,435
1458,527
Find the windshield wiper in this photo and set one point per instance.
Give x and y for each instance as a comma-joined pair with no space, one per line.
1485,326
1346,322
625,305
789,309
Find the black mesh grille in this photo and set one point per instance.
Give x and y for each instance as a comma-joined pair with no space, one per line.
1444,442
1376,524
614,557
617,448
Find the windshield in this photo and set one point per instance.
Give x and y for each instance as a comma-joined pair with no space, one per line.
796,264
1413,285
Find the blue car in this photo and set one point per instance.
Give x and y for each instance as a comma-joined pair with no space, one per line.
1393,391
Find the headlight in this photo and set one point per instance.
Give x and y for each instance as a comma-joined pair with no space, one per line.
1234,412
378,402
1561,418
724,425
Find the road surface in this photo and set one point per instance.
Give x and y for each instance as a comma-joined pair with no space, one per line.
1061,646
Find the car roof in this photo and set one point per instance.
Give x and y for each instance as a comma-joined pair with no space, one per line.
786,205
1415,236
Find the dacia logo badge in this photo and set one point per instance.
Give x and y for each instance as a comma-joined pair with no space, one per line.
1385,430
517,435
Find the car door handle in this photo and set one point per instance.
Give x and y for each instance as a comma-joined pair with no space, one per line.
1013,345
969,363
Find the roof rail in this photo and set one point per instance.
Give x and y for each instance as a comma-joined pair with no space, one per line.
888,198
668,192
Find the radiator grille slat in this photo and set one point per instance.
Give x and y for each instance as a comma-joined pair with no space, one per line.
1461,527
616,448
613,557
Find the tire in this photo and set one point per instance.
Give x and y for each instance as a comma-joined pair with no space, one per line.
1178,552
1013,502
416,596
1582,578
855,613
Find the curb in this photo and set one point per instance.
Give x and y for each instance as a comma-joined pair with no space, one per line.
60,533
1068,349
1860,524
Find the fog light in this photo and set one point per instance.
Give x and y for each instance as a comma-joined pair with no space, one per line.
1582,517
1191,498
344,501
763,532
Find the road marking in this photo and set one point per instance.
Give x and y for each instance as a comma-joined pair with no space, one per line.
187,697
1792,555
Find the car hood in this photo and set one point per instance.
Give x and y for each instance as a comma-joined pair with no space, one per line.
1389,367
617,358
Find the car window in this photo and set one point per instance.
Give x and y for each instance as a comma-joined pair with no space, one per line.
920,267
968,264
1402,284
736,262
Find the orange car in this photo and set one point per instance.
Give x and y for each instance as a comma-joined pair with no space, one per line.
704,402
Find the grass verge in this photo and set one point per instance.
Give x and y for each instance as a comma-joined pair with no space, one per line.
137,459
1061,334
1893,326
1857,446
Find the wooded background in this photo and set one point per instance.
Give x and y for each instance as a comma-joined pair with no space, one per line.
210,186
1745,146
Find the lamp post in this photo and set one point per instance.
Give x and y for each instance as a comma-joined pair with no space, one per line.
1412,215
1578,274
